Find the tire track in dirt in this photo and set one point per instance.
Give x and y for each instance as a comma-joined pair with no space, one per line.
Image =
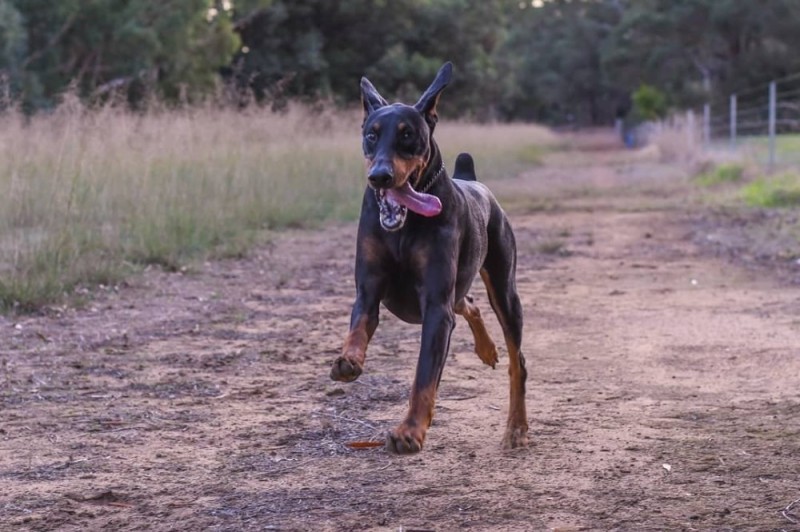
201,400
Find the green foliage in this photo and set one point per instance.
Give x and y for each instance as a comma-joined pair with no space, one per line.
319,49
696,49
649,103
726,173
555,53
569,62
13,41
173,49
780,191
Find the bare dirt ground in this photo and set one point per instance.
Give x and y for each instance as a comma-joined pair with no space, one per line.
663,390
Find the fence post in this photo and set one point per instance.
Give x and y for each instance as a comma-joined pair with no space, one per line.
707,125
733,122
690,128
772,113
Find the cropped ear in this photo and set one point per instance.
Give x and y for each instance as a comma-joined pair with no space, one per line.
370,98
427,102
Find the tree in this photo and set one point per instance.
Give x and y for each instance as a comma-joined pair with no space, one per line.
698,50
102,45
559,73
13,48
320,49
559,61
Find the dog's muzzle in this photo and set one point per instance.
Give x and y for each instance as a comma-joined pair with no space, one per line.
392,215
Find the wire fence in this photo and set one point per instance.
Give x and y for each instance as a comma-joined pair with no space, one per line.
763,121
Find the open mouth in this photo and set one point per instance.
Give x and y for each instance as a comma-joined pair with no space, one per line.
394,204
392,214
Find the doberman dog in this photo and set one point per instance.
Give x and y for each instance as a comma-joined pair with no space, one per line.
422,239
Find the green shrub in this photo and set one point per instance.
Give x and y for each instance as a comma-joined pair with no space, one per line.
649,103
726,173
780,191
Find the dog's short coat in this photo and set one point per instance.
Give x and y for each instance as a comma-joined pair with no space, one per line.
422,239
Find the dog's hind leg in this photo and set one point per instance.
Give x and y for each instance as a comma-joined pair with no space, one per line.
484,345
498,274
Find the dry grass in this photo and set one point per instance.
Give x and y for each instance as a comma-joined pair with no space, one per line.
91,195
500,150
679,144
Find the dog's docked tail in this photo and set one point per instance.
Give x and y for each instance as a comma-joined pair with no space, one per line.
465,168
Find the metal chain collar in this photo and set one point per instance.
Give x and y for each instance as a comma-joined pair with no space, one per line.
430,183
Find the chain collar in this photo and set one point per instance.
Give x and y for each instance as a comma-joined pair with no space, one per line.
433,180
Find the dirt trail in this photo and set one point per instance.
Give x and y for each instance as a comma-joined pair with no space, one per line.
663,391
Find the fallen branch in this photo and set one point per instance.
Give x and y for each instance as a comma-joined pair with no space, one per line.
786,512
337,416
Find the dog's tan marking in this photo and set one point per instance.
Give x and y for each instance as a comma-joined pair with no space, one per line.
349,365
404,168
517,425
355,345
371,249
419,259
409,435
484,345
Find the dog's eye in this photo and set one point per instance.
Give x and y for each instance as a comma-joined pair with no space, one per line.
407,134
371,137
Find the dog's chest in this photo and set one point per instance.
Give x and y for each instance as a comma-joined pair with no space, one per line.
407,252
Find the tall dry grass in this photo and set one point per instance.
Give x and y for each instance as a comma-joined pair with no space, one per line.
500,150
89,195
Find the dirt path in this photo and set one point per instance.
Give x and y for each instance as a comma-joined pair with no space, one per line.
663,391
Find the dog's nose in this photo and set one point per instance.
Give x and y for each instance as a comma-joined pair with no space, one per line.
380,177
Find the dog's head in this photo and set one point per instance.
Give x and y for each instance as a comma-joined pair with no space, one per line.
397,147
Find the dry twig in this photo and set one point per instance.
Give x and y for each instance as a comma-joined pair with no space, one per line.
337,416
786,512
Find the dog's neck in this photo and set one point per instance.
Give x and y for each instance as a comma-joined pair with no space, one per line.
434,173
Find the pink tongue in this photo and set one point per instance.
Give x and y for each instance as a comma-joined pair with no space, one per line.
418,202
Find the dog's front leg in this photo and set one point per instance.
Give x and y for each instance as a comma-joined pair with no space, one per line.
437,325
363,322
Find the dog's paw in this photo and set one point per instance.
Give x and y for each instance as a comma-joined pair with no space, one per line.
487,353
515,437
405,440
345,370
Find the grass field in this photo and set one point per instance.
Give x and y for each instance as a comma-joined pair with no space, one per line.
91,196
725,173
787,148
776,191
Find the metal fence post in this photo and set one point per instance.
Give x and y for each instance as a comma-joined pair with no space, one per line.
707,125
733,122
690,128
772,113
